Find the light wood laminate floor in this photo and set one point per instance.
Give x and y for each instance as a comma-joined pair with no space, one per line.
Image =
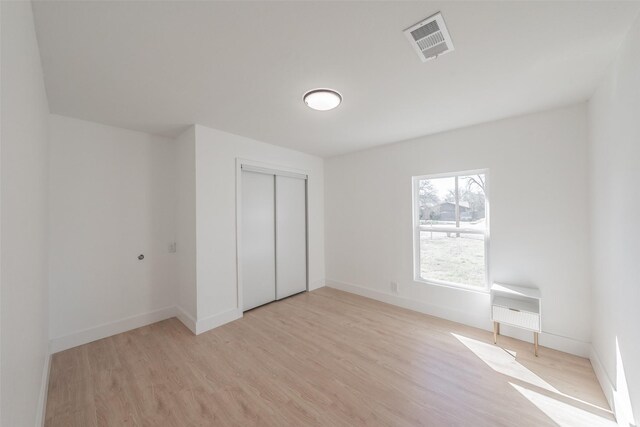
321,358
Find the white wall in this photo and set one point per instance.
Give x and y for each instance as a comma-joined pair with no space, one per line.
24,306
216,154
539,223
186,227
112,197
614,120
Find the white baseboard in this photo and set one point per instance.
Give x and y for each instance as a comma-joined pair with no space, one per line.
415,305
108,329
480,321
44,388
605,382
186,319
316,284
216,320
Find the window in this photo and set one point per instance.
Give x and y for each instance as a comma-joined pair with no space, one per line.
451,229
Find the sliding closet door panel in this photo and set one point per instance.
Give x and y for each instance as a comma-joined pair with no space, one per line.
291,236
258,240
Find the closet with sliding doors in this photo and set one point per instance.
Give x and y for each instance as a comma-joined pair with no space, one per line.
273,235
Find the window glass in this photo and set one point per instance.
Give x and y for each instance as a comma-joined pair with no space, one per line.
451,229
452,258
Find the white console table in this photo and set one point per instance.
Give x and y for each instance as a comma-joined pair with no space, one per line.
516,306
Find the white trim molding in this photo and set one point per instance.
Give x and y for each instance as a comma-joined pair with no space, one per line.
412,304
113,328
316,284
606,384
216,320
108,329
44,389
556,342
186,319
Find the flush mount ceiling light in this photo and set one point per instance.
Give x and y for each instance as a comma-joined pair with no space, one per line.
322,99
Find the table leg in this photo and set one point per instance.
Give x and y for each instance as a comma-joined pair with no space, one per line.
496,331
535,343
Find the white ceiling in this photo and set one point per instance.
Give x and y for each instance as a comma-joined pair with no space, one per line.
242,67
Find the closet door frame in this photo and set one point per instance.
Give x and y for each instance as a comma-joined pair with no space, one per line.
256,166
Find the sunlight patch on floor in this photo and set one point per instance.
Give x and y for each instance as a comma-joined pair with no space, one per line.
563,414
563,409
503,361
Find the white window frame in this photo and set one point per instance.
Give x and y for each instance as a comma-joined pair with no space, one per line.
417,228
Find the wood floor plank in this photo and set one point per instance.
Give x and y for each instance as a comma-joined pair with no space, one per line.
324,358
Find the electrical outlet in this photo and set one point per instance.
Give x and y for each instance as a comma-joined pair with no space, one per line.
394,287
172,247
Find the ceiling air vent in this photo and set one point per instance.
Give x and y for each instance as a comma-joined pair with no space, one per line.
430,37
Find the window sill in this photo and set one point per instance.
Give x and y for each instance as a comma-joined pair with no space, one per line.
467,288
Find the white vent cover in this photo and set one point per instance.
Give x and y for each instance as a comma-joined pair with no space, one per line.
430,37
